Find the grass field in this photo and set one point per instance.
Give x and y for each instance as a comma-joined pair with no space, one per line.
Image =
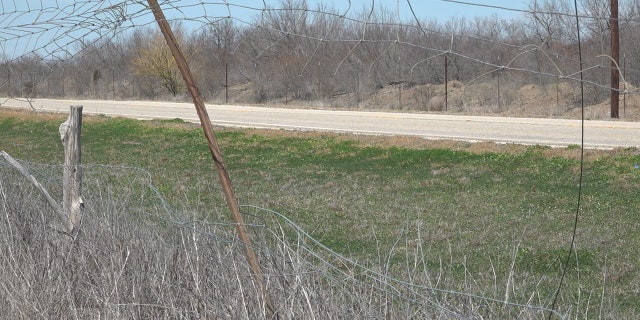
499,217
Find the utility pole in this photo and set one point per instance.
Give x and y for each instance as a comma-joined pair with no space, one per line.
615,59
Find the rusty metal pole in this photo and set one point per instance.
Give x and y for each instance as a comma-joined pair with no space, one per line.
399,81
214,148
624,85
226,83
615,60
499,84
446,82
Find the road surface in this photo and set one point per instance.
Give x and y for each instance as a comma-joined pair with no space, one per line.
552,132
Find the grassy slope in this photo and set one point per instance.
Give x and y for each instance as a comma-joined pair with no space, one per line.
476,209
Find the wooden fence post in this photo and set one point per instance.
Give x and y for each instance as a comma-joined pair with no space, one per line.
72,203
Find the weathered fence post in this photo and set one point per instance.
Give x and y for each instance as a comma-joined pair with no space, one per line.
72,203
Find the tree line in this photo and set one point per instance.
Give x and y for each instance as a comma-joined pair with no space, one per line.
315,54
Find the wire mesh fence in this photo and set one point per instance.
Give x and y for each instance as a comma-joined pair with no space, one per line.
137,257
394,55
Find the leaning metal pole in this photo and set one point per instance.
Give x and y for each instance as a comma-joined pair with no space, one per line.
214,148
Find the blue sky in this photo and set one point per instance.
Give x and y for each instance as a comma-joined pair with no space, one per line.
51,27
433,9
438,9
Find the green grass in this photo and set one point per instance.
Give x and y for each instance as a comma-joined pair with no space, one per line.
476,210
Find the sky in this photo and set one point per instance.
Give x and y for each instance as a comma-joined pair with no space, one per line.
51,26
438,9
441,10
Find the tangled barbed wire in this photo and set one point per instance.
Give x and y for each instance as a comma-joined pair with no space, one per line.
288,50
147,258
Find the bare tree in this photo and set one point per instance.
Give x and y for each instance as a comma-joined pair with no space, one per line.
550,22
214,56
598,23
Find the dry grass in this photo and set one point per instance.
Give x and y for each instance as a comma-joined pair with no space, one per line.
501,211
135,258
